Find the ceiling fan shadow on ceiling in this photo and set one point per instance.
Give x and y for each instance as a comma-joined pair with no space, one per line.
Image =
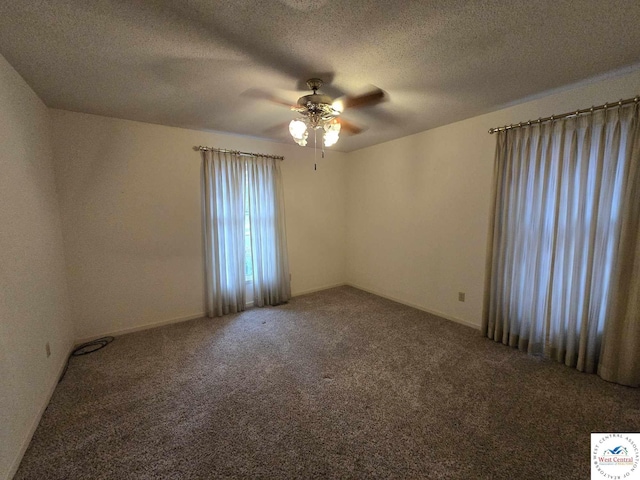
321,113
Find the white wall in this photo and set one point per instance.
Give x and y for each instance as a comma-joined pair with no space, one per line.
130,199
34,305
406,219
418,207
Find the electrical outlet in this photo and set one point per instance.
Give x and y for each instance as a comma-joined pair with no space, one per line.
48,349
461,296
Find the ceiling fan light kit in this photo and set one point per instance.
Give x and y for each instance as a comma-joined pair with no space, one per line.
317,112
321,114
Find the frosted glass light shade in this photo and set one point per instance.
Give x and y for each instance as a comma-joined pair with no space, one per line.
330,138
302,141
331,132
297,129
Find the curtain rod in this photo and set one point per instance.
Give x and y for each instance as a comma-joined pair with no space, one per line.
242,154
565,115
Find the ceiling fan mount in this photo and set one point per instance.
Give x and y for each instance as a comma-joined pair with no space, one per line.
314,84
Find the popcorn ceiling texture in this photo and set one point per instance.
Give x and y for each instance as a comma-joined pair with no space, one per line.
188,64
335,384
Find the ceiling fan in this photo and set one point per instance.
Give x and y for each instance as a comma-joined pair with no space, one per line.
318,111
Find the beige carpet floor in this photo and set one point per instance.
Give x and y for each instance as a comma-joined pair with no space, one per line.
335,384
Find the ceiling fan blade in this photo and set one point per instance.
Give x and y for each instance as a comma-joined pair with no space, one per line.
278,130
373,97
262,95
349,127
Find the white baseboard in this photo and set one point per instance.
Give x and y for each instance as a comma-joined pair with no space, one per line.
318,289
419,307
146,326
36,421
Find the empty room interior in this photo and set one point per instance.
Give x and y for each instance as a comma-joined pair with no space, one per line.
319,239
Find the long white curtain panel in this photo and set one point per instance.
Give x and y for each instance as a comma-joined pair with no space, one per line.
237,188
563,269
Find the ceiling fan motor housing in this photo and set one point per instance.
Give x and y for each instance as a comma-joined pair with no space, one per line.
316,107
315,99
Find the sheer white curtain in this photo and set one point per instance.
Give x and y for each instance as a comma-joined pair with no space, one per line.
224,207
558,279
268,233
235,186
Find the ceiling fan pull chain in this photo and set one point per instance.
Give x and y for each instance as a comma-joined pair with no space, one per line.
315,149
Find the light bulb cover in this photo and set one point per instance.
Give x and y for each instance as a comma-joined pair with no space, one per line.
332,126
298,130
302,141
331,137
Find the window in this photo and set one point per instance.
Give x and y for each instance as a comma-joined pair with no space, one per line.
245,241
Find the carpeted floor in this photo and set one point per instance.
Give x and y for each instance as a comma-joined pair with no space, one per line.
336,384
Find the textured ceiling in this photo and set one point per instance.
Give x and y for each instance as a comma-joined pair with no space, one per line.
191,63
